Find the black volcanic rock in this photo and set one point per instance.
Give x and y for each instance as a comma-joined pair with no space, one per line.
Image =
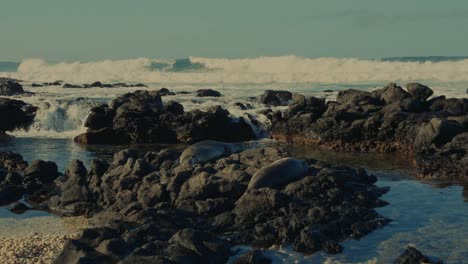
413,256
67,85
9,87
39,172
385,120
15,114
419,90
151,207
275,97
208,93
140,117
35,181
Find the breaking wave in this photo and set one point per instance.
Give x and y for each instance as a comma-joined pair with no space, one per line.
282,69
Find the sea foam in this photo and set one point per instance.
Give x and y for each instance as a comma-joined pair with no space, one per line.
282,69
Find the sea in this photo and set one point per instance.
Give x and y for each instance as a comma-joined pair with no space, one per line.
430,215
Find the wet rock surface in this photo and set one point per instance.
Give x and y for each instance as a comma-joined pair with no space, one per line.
9,87
207,93
149,207
141,117
413,256
15,114
18,179
275,97
391,119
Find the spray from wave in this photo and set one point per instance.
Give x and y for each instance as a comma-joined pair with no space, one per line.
283,69
58,119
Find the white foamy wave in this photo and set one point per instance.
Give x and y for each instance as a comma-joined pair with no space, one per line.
57,119
283,69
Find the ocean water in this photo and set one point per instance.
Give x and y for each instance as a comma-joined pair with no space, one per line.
430,217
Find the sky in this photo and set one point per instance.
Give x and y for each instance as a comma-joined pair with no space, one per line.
88,30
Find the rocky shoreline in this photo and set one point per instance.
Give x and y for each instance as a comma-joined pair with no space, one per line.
432,132
193,206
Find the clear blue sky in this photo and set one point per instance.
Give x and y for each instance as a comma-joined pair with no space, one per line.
115,29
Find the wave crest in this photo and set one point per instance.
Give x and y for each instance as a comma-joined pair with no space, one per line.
282,69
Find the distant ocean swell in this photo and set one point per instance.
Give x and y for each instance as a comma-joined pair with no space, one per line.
283,69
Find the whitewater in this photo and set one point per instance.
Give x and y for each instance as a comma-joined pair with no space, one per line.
62,112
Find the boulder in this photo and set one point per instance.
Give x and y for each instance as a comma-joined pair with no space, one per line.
39,172
67,85
357,97
10,87
174,107
413,256
275,97
438,132
164,92
74,196
419,90
100,117
208,93
391,93
450,106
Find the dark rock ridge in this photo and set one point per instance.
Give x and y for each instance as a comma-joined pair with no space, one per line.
413,256
98,84
18,179
208,93
9,87
15,114
275,97
152,208
141,117
434,132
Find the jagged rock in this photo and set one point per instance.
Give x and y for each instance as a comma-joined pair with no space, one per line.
357,97
252,257
140,117
385,120
9,87
391,93
158,209
15,114
413,256
100,117
275,98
